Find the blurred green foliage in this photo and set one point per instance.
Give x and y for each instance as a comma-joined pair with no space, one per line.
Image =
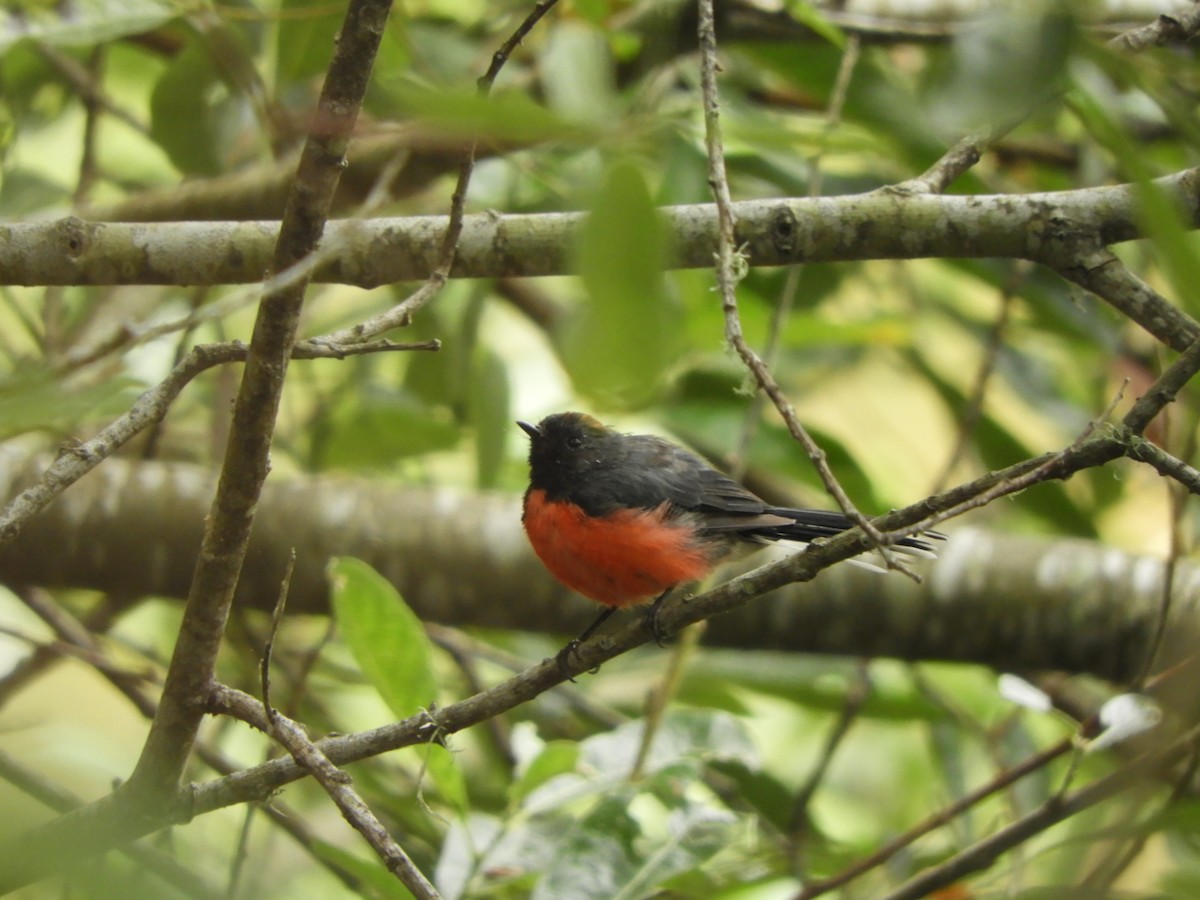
598,110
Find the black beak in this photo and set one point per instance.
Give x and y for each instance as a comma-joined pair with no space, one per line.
532,430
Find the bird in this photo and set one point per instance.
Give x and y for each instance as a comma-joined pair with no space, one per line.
623,519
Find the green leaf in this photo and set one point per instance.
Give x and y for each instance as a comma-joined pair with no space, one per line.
807,14
684,735
480,849
386,425
695,832
620,345
557,758
371,871
1175,244
1004,65
304,39
41,402
488,400
385,637
622,849
435,378
596,856
502,115
182,118
444,771
82,22
577,73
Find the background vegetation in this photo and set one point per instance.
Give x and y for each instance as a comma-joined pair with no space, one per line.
947,333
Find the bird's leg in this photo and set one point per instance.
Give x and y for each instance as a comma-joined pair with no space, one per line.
652,617
564,655
591,629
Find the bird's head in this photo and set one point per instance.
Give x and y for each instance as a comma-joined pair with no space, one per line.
566,447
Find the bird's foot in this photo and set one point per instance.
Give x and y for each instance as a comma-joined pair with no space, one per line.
652,620
655,626
563,658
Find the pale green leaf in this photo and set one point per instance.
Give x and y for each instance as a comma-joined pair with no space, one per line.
81,23
620,345
443,770
385,637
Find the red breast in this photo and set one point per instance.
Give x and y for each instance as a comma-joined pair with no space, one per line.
626,557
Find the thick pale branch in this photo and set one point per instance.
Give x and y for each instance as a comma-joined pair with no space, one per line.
879,225
461,558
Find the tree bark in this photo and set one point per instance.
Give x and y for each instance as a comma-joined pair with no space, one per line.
461,558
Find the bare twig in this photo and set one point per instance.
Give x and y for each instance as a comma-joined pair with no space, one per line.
1180,27
787,297
88,168
54,796
777,231
1002,781
459,643
1044,470
241,855
1098,883
156,776
84,82
336,783
78,638
1164,390
1164,463
955,161
61,648
1149,405
984,852
942,817
497,727
333,780
1098,269
729,261
154,784
1177,499
264,664
77,460
69,631
401,314
105,824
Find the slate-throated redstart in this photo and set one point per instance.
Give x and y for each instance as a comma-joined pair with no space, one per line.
624,518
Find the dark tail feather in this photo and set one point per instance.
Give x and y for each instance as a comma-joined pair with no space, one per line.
809,524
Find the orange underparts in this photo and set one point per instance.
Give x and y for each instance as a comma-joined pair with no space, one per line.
623,559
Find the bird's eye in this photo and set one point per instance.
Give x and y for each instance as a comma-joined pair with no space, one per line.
574,442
